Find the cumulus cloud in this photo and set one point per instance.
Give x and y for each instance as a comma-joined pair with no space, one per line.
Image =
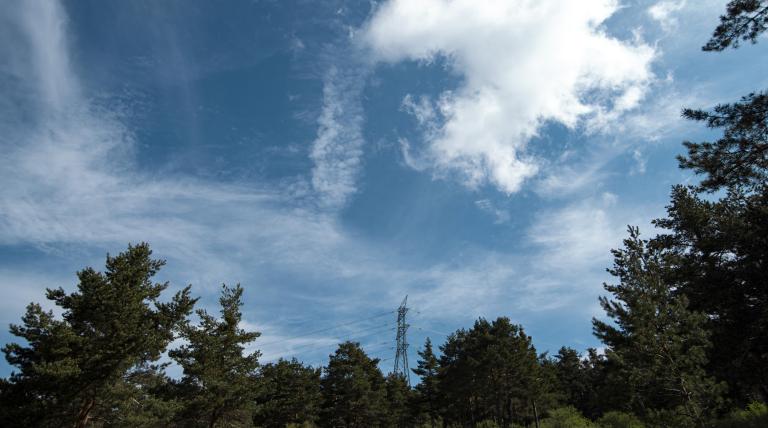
523,63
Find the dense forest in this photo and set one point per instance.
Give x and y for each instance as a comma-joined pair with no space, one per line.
685,334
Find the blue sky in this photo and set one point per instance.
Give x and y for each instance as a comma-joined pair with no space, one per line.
335,156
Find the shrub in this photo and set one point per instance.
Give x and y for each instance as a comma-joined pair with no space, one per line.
754,416
619,420
566,417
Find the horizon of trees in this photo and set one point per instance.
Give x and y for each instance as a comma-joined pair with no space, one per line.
686,333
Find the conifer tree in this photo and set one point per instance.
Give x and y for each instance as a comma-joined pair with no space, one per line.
657,343
744,21
289,393
398,395
354,392
490,372
427,389
573,383
219,382
115,321
145,398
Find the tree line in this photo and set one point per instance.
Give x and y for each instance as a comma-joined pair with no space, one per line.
685,334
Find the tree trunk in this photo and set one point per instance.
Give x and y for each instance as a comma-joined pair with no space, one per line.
85,413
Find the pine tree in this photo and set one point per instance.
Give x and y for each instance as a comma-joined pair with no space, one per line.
289,393
398,397
114,322
744,21
427,389
219,382
572,380
720,248
145,398
658,344
720,245
354,392
739,159
490,372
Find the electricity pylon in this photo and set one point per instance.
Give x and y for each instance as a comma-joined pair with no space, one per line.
401,357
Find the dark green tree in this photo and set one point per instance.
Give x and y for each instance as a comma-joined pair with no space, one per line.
657,343
739,159
427,390
115,321
353,388
490,372
720,248
219,385
720,245
572,378
145,398
289,393
399,412
744,21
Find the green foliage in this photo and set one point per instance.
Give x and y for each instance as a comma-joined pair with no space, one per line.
426,399
566,417
219,382
721,245
739,159
573,379
754,416
658,345
744,21
143,399
115,321
399,397
353,388
289,393
488,423
490,372
615,419
717,248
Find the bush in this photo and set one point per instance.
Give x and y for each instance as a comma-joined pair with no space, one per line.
754,416
619,420
487,424
566,417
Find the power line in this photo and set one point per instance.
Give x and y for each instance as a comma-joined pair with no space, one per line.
313,346
376,329
328,328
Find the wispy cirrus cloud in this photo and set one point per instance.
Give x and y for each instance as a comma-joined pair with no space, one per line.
69,174
338,148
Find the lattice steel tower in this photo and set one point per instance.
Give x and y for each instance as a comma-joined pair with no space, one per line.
401,357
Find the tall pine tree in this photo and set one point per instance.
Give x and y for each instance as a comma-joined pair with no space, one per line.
289,393
657,343
354,392
427,389
219,382
115,321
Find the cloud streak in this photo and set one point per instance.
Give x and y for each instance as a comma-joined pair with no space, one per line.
337,150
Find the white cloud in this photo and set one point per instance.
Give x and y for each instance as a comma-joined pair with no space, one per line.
567,176
337,150
582,233
69,175
523,63
664,13
500,216
640,163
